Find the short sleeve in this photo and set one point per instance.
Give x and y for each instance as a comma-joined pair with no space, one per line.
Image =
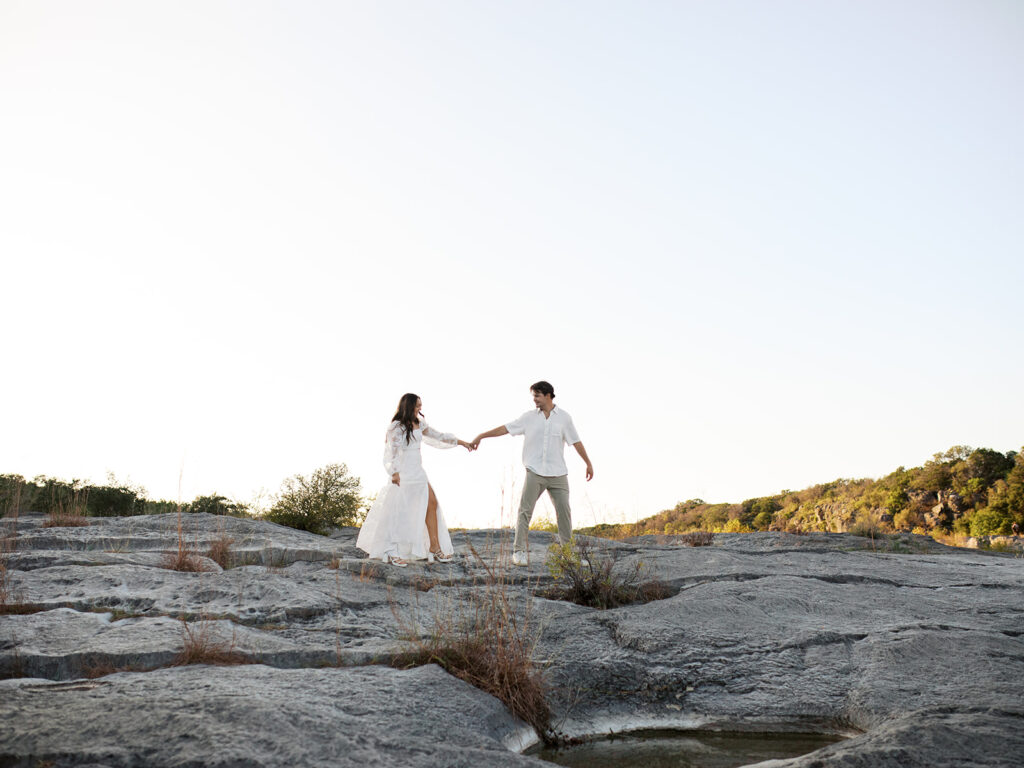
517,427
569,433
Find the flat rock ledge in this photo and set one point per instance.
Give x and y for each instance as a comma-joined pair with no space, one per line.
913,650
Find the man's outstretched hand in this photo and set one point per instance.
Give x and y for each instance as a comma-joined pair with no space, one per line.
496,432
590,472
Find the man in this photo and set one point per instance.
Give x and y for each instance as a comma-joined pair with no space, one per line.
546,429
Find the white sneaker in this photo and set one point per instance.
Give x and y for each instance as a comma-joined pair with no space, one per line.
519,558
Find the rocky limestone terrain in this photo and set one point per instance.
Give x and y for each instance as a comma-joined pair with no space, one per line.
913,650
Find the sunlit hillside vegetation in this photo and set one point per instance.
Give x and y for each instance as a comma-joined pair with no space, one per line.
962,492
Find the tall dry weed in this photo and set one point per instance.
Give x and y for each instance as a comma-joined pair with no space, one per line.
220,550
68,512
11,601
201,646
7,597
487,640
185,557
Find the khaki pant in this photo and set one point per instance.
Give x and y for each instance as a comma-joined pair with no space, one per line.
558,489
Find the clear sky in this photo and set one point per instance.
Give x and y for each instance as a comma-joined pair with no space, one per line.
753,245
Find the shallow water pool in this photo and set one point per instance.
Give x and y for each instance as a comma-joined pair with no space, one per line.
685,749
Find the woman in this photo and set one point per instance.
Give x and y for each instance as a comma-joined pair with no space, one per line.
405,521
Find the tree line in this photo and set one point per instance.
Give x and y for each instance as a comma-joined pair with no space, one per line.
963,491
328,498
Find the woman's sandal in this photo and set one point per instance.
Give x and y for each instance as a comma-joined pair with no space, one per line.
396,561
441,557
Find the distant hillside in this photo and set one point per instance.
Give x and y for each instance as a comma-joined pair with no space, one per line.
964,491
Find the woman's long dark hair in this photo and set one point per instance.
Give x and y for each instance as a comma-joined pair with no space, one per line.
406,414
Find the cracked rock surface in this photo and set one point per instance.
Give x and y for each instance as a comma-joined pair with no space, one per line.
914,650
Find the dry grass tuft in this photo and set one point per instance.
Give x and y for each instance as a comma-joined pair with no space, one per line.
58,520
593,578
220,550
185,557
424,585
200,646
11,602
372,571
6,581
697,539
66,517
275,561
17,608
68,512
335,564
485,640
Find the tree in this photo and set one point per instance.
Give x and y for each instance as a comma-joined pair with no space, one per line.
895,486
218,505
973,475
757,513
935,475
16,494
329,498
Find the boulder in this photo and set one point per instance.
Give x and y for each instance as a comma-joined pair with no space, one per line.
257,715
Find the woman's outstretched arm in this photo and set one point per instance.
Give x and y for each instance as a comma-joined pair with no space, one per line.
443,439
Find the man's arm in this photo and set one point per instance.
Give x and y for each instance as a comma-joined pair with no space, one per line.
583,454
496,432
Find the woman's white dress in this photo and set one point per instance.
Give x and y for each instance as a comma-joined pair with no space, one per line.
396,524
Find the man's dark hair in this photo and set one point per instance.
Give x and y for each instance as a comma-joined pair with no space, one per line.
543,388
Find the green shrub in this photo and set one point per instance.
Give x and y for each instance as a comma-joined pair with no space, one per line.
108,501
329,498
218,505
866,525
990,521
161,507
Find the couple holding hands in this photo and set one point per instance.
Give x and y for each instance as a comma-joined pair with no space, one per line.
405,521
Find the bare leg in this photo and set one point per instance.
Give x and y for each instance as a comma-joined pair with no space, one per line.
432,519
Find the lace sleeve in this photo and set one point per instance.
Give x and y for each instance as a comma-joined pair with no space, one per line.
437,439
394,444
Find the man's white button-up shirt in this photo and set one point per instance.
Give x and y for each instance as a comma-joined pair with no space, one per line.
542,448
